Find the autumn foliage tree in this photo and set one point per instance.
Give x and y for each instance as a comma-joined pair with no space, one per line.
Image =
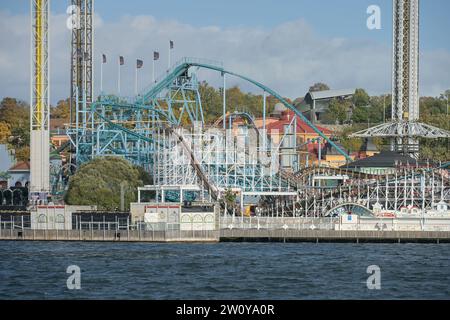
15,126
99,182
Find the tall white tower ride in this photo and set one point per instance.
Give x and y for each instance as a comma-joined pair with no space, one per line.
404,128
40,98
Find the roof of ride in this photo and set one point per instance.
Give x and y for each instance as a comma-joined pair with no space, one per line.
385,159
328,94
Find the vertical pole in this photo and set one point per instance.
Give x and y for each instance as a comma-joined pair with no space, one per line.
296,154
224,101
447,103
168,64
122,196
313,116
432,189
395,192
404,189
118,79
413,175
101,76
136,82
264,121
153,71
77,109
386,202
320,151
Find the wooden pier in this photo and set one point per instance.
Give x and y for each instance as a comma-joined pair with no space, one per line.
243,235
227,235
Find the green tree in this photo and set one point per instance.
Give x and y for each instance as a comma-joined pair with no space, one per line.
337,112
211,102
98,182
350,144
229,199
361,98
5,132
319,86
62,110
4,175
16,114
23,153
360,115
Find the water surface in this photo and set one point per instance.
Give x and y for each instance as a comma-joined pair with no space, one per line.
37,270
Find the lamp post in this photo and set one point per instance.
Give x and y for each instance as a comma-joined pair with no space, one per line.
448,95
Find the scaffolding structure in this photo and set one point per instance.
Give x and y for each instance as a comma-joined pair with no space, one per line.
82,68
404,129
404,189
162,129
197,163
40,101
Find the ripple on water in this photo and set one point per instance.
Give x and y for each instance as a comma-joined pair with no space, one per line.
37,270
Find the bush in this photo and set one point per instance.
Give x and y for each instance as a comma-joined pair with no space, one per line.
98,182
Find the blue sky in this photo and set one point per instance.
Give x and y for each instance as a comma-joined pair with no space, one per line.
335,18
285,44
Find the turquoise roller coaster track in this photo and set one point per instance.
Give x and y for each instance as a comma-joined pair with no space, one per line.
183,66
147,101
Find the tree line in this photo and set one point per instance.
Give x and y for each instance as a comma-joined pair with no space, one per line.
355,114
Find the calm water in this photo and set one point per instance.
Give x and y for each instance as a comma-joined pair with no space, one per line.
37,270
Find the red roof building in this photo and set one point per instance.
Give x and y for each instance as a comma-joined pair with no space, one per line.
19,174
23,166
305,133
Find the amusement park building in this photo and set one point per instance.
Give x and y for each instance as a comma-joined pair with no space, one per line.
19,174
276,129
386,162
58,132
316,103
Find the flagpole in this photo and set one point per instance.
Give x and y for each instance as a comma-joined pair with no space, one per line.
101,76
136,82
118,83
170,50
153,76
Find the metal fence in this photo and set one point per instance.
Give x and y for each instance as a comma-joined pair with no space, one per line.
275,223
137,230
16,227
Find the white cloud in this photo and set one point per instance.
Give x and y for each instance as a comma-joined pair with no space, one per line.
288,58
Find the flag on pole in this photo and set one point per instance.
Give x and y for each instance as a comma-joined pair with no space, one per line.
139,63
155,55
103,58
121,61
171,44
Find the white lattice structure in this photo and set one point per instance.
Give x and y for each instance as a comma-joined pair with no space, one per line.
409,187
208,162
40,98
404,128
